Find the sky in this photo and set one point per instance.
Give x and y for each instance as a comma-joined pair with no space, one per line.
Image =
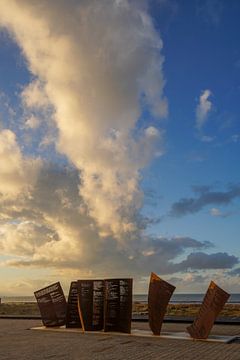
119,143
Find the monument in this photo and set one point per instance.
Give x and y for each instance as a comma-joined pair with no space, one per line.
118,305
212,304
159,294
90,304
52,305
73,319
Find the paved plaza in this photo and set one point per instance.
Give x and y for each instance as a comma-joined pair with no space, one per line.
18,342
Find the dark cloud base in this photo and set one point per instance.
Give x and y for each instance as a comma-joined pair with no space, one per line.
205,197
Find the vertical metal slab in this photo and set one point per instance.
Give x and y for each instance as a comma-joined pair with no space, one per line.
98,304
52,305
118,305
73,319
111,305
159,294
90,304
213,303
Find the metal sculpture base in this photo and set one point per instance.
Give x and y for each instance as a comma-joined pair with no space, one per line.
142,333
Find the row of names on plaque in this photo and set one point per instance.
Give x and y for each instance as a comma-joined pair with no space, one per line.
92,305
107,305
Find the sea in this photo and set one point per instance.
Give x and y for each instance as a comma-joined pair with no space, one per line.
142,298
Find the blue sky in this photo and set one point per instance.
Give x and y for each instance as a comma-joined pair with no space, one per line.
73,175
200,54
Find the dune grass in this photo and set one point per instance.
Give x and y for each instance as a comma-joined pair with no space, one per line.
188,310
178,310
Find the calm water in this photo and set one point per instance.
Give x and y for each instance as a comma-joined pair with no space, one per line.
188,298
177,298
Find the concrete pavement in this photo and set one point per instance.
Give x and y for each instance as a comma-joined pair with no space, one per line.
18,342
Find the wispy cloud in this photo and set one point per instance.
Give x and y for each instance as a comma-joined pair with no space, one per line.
200,260
207,139
203,108
218,213
32,122
205,197
234,272
235,138
210,10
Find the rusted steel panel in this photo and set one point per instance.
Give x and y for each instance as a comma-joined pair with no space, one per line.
90,304
159,295
52,305
73,319
213,303
118,305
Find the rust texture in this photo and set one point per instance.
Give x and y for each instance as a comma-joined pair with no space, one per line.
212,304
159,295
118,305
52,305
73,319
90,304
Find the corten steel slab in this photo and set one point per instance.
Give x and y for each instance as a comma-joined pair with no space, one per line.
118,305
52,305
159,294
142,333
90,304
212,305
73,319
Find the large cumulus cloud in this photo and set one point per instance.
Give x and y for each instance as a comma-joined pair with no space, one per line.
96,63
50,226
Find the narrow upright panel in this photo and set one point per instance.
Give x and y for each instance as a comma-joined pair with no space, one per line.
213,303
73,319
52,305
159,294
90,304
118,305
98,304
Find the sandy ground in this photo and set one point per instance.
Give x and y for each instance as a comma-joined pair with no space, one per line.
17,341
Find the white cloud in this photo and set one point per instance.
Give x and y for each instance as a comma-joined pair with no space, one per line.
207,139
203,108
235,138
96,80
34,96
32,122
215,212
218,213
151,131
17,173
24,238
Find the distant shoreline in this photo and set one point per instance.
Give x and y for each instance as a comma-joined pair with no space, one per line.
179,298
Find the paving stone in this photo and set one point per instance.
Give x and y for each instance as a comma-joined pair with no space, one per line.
17,342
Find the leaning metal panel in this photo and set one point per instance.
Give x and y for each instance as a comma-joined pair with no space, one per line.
73,319
90,304
118,305
52,305
213,303
159,295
